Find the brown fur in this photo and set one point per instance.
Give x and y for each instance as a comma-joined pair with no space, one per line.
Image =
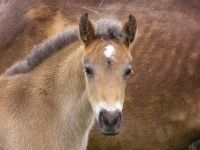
36,111
161,108
46,99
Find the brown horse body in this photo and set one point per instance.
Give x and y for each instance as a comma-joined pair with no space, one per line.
162,99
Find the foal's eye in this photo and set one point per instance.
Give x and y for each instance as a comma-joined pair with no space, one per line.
89,71
128,71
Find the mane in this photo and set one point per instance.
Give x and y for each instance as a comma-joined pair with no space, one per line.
44,50
104,29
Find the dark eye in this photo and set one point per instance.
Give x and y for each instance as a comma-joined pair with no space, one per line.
128,71
89,71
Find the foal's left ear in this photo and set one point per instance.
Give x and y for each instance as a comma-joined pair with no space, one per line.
130,28
86,29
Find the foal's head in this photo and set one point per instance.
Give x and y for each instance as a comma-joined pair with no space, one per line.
107,64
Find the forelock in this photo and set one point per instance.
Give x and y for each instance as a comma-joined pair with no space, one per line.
106,28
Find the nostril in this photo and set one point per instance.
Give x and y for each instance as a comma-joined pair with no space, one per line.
116,120
103,117
106,120
120,116
101,120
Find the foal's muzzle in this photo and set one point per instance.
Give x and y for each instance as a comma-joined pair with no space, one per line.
110,121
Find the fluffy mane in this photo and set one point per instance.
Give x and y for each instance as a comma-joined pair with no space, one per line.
104,29
44,50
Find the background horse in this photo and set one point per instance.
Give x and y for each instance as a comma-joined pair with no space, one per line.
47,101
162,97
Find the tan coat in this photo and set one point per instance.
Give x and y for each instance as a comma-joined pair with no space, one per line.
46,109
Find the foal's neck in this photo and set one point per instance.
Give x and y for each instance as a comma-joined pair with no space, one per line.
70,82
65,77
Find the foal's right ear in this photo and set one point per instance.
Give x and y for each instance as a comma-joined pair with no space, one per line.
130,28
86,29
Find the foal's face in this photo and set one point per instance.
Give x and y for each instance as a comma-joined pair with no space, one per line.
107,66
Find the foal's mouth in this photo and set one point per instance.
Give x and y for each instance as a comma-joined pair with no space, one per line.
110,133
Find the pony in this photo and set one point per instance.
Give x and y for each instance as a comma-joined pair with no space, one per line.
161,107
49,99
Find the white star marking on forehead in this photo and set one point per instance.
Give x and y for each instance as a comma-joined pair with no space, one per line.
109,52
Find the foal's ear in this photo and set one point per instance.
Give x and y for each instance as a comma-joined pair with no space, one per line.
86,29
130,29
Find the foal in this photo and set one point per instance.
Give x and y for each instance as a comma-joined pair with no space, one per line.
49,99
